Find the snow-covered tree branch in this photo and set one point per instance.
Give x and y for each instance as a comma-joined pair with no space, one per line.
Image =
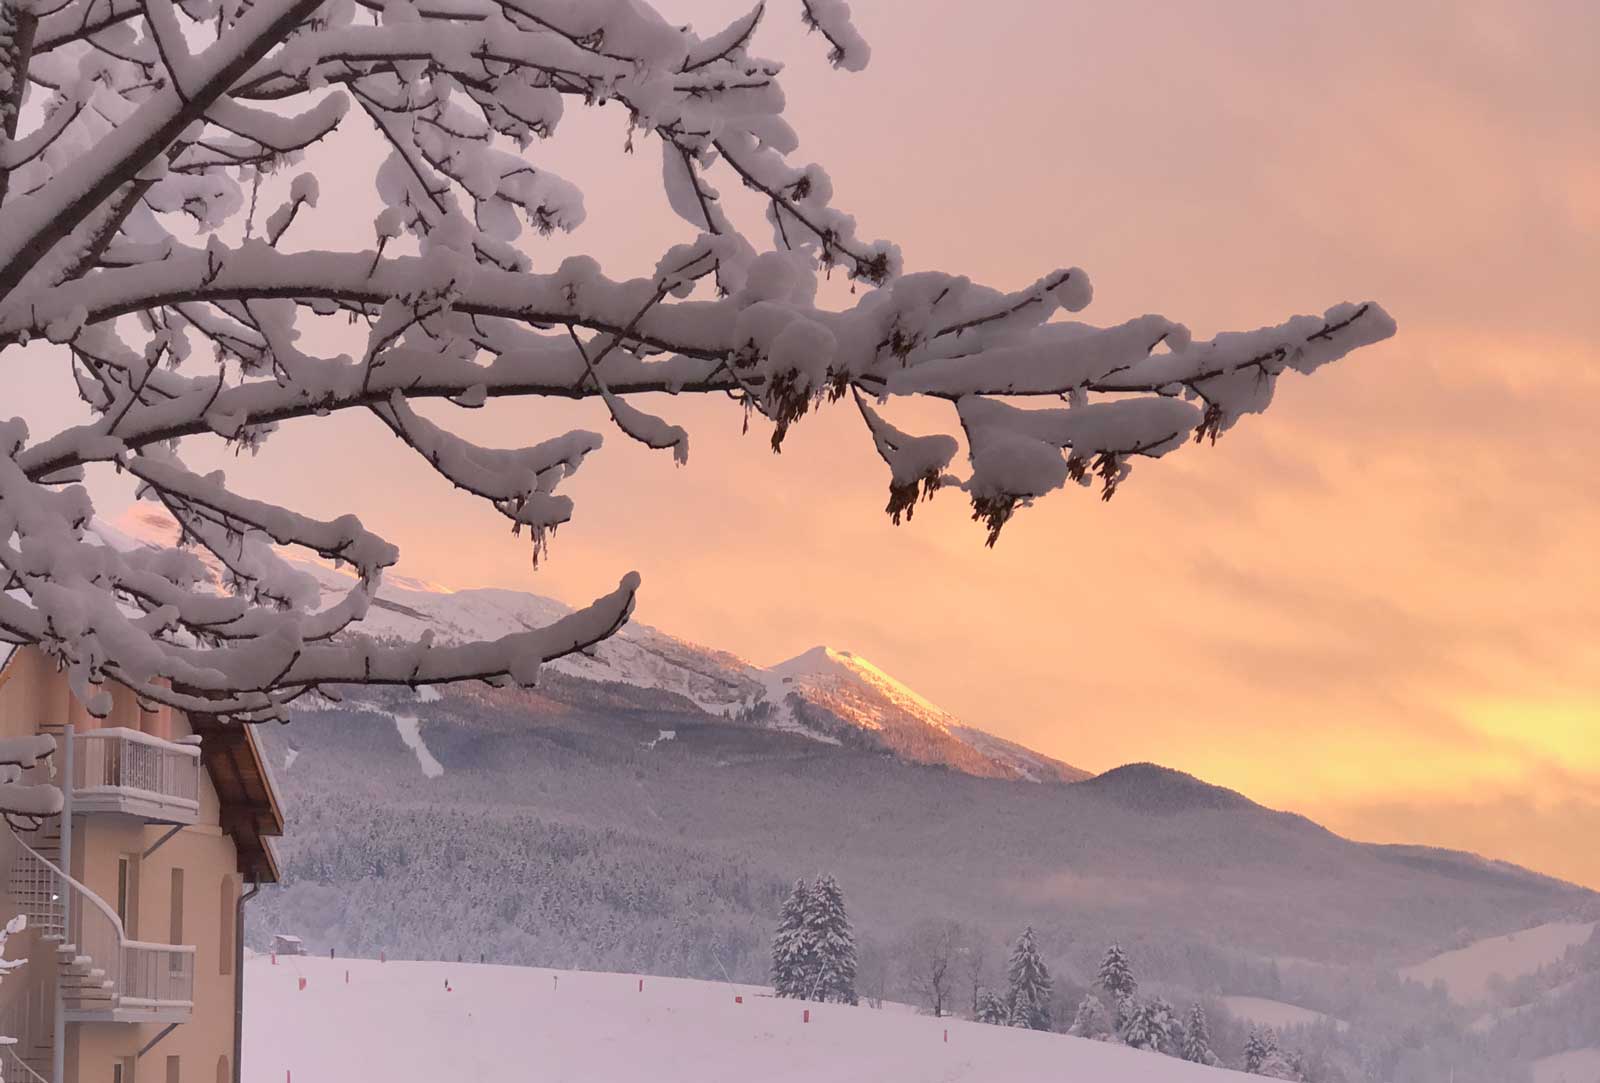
135,139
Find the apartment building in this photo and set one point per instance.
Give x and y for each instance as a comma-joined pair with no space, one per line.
135,894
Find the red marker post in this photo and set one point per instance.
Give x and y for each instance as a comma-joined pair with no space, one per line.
805,1016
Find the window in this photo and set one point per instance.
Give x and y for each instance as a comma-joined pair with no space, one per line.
128,893
230,915
122,890
122,1070
176,960
172,1070
177,907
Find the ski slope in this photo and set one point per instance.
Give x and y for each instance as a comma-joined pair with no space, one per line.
502,1024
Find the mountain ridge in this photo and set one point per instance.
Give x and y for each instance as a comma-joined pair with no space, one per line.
824,694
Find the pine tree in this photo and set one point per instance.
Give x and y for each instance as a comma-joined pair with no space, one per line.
793,955
1165,1026
1260,1046
827,930
992,1009
1028,997
1281,1065
1142,1025
1197,1038
1116,975
1092,1020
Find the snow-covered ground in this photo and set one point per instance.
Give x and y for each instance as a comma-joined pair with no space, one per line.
495,1024
1466,971
1573,1066
1273,1013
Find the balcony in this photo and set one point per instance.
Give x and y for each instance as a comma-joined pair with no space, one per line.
130,772
154,984
104,976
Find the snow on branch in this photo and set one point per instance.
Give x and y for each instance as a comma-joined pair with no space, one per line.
135,137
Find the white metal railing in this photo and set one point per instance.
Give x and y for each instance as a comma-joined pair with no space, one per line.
27,1069
156,975
118,762
101,966
36,885
28,1020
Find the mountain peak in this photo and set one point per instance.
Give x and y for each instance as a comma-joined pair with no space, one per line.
1149,787
824,665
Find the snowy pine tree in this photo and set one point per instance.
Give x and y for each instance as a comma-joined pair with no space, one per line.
1140,1026
1116,975
793,954
1092,1020
1168,1028
1261,1045
1279,1064
1197,1038
992,1009
1028,997
829,937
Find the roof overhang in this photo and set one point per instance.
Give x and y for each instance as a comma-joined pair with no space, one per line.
250,812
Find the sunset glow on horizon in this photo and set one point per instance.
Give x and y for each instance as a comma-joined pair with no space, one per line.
1377,605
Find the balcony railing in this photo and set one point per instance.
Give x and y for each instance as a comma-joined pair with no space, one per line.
156,977
127,771
104,975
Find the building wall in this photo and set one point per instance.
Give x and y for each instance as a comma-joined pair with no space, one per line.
32,694
30,690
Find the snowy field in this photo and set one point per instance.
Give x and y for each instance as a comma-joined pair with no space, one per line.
1466,971
1575,1066
1274,1013
495,1024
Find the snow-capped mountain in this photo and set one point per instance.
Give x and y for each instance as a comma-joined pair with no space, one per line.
839,694
828,695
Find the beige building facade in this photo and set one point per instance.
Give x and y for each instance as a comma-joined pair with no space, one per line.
134,896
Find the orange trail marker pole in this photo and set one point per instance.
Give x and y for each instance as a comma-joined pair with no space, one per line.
805,1016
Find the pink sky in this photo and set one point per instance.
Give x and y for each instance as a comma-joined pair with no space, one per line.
1378,604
